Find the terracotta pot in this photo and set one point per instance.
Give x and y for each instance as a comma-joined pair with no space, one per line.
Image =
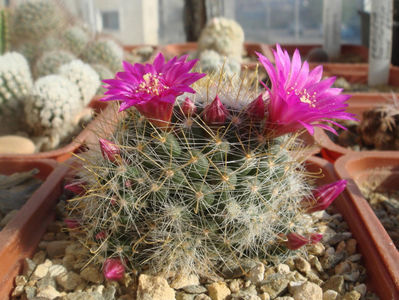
22,234
172,50
65,152
379,253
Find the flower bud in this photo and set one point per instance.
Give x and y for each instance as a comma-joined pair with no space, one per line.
101,235
296,241
76,187
324,196
315,238
113,269
256,109
215,113
109,150
189,107
71,223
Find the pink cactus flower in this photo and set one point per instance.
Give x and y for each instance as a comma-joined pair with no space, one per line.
113,269
71,223
152,88
256,109
76,187
109,150
299,98
215,113
324,196
188,107
296,241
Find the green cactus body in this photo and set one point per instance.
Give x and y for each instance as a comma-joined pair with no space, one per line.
104,52
84,76
51,108
224,36
75,39
50,61
194,196
15,82
36,19
4,37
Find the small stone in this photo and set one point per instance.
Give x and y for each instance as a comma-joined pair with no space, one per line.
313,277
352,276
40,271
39,257
195,289
351,246
338,237
340,247
330,295
184,296
342,267
302,265
361,288
247,283
75,249
335,283
238,271
28,268
202,297
244,296
355,257
13,144
330,260
256,274
92,274
19,289
30,292
182,281
69,281
274,285
284,298
307,290
296,276
109,293
68,261
45,282
218,291
314,261
20,280
352,295
49,236
316,249
155,288
7,218
250,290
235,285
264,296
283,269
56,248
49,293
56,270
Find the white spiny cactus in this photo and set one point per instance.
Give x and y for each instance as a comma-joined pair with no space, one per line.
50,61
105,52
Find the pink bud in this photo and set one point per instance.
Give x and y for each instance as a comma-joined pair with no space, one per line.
128,183
71,223
324,196
101,235
315,238
296,241
215,113
113,269
256,109
76,187
188,107
113,201
109,150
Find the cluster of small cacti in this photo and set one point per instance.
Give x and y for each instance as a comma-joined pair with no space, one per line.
105,52
379,127
15,82
3,31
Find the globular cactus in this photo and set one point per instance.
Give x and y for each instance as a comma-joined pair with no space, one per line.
34,20
51,109
104,73
29,50
212,62
15,82
379,127
4,37
225,36
105,52
75,39
50,61
84,76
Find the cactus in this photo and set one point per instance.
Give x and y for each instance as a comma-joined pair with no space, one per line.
104,73
212,62
75,39
224,36
51,108
84,76
379,127
50,61
36,19
104,52
4,37
15,82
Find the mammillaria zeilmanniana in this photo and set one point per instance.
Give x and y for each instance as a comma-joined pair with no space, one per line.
105,52
84,76
51,109
202,172
15,82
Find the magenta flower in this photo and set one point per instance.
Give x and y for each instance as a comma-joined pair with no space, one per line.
215,113
152,88
113,269
299,98
296,241
109,150
324,196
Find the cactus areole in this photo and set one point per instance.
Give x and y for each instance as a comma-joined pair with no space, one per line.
202,172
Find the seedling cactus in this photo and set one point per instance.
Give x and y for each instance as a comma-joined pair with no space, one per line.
189,182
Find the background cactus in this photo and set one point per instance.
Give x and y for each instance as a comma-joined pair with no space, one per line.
105,52
50,61
104,73
84,76
224,36
75,39
211,62
52,109
15,82
3,31
197,195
